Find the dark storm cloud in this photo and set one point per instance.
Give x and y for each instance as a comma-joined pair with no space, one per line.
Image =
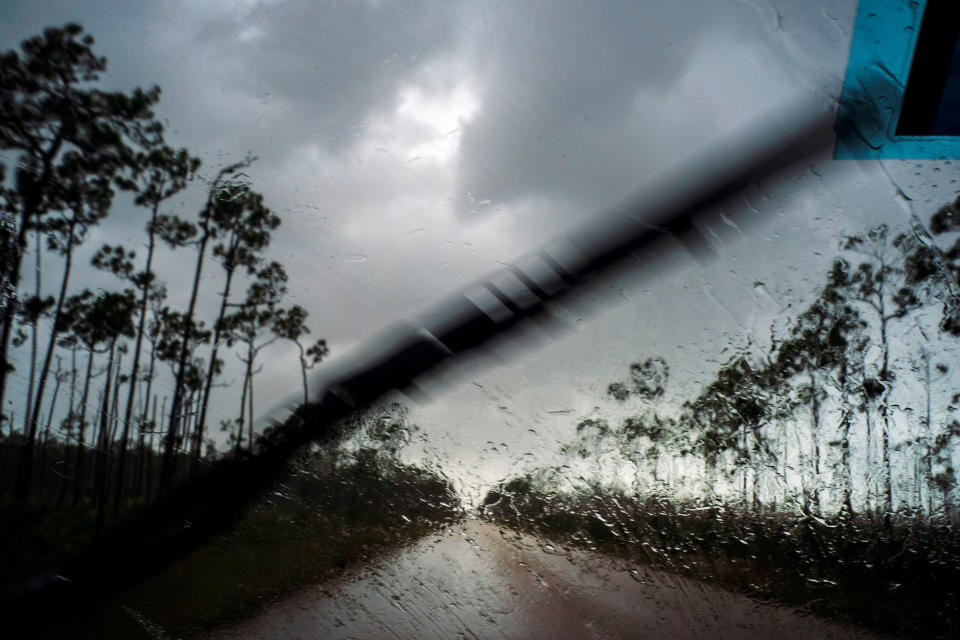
559,85
304,71
261,77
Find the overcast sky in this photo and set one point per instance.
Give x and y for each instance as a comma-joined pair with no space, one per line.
410,147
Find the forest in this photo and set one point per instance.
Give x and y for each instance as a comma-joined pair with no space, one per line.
114,397
108,393
819,469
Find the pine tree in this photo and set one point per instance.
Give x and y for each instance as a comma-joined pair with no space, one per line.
257,315
81,197
159,173
55,121
291,325
200,236
244,225
880,284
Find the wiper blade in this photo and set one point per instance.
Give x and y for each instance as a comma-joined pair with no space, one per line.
179,522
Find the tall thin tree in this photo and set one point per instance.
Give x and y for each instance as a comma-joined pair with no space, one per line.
881,284
291,325
83,193
49,108
244,224
94,320
159,173
206,229
258,314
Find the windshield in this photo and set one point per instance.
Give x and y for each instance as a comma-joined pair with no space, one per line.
389,319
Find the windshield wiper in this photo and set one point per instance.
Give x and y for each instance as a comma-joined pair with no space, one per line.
183,519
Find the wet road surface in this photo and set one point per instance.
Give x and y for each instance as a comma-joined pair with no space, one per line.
479,581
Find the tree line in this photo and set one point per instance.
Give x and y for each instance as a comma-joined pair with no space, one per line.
849,410
98,420
817,469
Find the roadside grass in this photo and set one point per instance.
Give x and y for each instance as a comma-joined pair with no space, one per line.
309,530
903,578
323,516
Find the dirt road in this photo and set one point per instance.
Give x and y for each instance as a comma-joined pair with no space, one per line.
482,582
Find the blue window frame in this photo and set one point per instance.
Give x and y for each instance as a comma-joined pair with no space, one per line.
901,93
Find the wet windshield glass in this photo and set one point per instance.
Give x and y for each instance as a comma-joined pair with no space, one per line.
483,319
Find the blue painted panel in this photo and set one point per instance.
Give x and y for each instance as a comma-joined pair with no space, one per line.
884,39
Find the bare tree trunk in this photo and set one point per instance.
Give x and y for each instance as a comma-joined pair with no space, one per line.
12,259
143,421
34,339
869,455
13,449
885,416
250,442
168,465
928,423
815,437
150,373
184,430
58,378
9,301
785,466
81,427
27,459
136,484
73,381
243,400
134,369
845,463
112,435
99,487
148,492
303,372
757,463
744,466
217,333
70,424
845,424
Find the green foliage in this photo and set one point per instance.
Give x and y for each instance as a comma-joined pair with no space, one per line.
736,402
317,352
115,260
99,319
239,217
173,230
158,172
69,136
648,381
47,102
618,391
259,310
823,336
170,326
31,310
655,429
591,435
